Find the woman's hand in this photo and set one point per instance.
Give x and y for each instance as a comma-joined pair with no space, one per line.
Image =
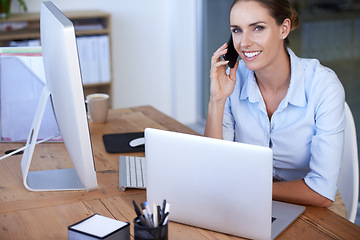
221,85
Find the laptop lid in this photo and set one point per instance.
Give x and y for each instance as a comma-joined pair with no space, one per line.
214,184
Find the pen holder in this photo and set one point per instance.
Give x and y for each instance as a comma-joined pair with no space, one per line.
150,233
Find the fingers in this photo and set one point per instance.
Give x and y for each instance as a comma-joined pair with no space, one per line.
218,67
219,52
221,63
218,70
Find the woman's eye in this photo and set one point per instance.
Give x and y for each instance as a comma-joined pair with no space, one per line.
236,30
259,28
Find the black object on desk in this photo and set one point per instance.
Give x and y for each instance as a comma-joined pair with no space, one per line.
120,142
150,233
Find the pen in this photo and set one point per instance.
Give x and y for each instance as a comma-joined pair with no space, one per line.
158,218
164,217
148,210
155,215
163,221
146,215
163,207
139,214
159,212
167,210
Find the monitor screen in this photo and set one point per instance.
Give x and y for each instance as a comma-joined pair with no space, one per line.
65,89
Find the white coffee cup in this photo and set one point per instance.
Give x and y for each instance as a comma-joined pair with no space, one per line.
98,107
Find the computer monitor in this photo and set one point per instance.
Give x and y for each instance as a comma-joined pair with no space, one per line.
65,90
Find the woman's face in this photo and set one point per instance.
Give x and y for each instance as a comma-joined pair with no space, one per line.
257,38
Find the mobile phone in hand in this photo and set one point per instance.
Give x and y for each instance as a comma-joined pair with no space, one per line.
231,54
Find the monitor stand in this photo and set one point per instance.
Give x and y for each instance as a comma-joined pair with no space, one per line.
49,180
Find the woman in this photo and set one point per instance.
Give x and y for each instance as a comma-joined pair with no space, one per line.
273,98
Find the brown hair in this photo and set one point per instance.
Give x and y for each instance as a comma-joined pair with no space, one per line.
279,10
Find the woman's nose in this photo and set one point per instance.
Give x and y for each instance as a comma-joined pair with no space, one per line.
246,40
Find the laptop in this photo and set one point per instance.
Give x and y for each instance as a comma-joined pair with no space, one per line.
214,184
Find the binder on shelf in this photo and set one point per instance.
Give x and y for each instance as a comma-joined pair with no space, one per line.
94,57
93,60
104,55
83,56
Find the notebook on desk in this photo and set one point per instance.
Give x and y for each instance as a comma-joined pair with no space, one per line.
214,184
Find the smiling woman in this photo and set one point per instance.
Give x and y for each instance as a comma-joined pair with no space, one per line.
279,11
273,98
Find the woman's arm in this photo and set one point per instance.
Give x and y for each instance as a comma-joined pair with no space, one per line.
221,87
319,186
214,121
299,193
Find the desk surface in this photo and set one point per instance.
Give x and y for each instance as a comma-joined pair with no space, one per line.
46,215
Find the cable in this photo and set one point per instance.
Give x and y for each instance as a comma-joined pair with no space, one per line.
23,148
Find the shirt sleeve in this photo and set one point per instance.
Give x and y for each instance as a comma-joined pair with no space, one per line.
328,142
228,122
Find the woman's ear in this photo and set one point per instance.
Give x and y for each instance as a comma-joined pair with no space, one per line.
285,28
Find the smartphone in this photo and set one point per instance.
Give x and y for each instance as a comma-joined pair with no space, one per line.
231,54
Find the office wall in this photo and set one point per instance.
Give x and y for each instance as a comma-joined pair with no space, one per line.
153,52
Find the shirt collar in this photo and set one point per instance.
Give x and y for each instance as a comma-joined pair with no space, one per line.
296,92
250,90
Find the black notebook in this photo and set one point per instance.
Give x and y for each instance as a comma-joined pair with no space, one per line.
119,142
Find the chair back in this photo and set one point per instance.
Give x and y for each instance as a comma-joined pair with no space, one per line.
348,183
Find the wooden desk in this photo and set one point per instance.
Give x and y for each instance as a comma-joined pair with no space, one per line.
46,215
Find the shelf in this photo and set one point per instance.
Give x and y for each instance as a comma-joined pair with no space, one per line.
86,23
97,20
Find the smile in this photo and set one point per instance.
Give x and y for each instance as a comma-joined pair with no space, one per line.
251,54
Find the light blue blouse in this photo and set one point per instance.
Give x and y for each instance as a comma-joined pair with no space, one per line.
306,132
